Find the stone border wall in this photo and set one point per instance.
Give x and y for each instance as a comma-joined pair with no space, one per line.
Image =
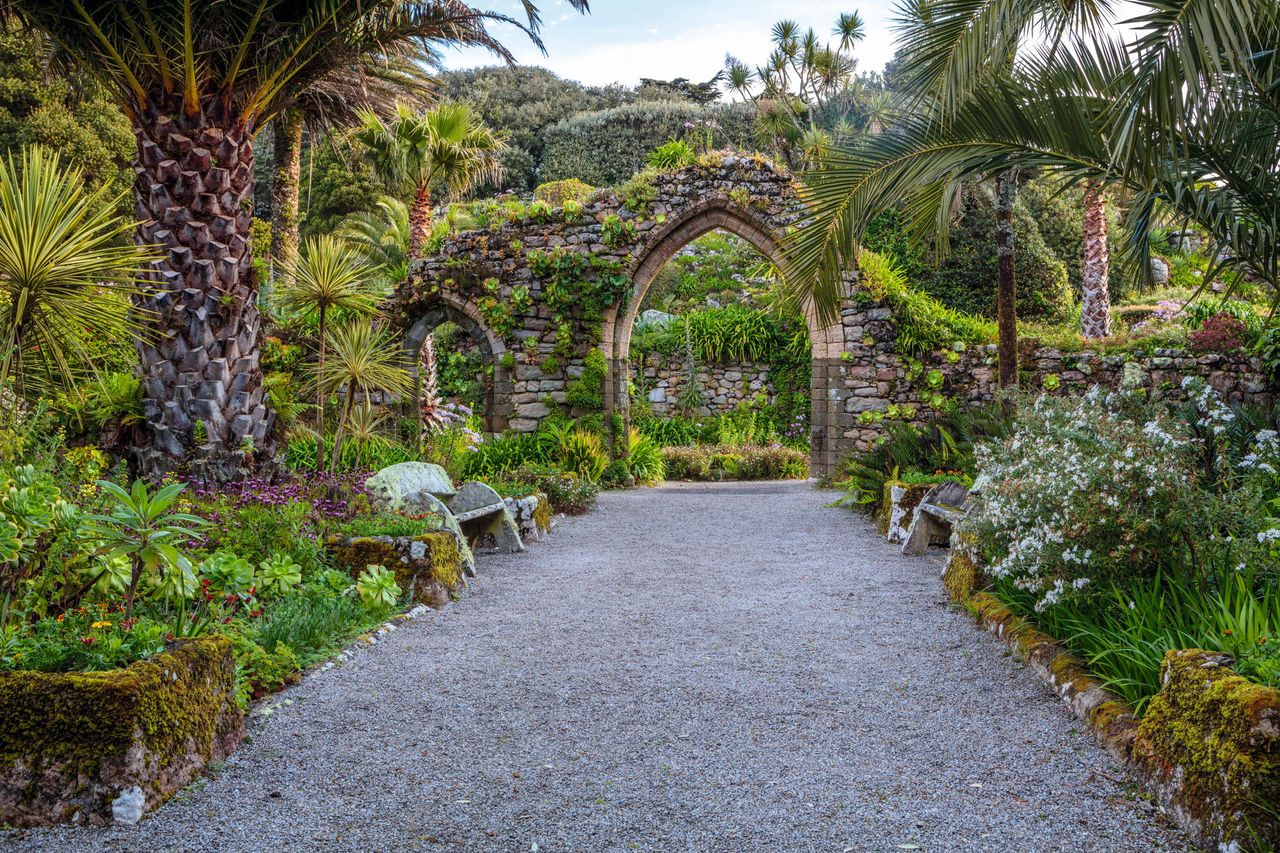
84,746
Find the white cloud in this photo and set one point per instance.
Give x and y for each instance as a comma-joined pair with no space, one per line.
665,39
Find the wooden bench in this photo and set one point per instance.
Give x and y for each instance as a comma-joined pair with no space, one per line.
940,508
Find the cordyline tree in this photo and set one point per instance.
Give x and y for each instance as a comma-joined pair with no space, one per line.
198,79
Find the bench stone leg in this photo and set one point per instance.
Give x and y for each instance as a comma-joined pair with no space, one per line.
924,529
506,534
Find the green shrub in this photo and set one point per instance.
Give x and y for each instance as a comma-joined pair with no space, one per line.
746,462
583,453
556,193
1123,634
944,444
587,391
259,671
924,324
500,454
644,459
387,524
313,624
674,431
608,146
567,492
257,530
639,192
965,279
671,156
370,455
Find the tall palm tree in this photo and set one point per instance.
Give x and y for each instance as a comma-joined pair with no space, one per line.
198,79
446,146
1095,297
375,83
65,274
956,46
328,276
1184,122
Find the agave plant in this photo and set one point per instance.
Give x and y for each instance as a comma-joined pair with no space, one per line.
63,269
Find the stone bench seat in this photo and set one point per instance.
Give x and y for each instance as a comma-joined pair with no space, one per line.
940,508
480,511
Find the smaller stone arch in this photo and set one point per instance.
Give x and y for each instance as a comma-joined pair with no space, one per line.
448,306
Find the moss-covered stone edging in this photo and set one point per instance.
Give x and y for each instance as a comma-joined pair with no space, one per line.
73,744
1208,746
429,566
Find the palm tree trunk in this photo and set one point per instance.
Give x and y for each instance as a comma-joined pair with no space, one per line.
194,194
320,394
286,179
419,222
1006,280
1095,299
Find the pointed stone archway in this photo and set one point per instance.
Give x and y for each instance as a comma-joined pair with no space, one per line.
723,213
497,387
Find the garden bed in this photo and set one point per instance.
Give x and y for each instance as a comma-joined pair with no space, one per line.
75,746
1207,746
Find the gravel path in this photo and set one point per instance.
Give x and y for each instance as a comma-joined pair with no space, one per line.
691,668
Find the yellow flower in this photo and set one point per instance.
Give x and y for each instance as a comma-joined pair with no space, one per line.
101,624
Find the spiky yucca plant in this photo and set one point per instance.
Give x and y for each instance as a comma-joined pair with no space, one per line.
60,256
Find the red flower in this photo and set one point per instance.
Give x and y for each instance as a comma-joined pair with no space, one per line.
88,641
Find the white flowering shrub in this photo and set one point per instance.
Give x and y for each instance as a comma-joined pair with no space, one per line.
1089,489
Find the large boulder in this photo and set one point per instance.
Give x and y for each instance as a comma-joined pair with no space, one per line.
392,488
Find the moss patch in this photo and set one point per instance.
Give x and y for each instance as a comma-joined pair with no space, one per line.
962,577
70,742
444,557
428,566
1210,744
542,513
354,555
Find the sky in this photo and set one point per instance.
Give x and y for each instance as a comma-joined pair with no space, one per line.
621,41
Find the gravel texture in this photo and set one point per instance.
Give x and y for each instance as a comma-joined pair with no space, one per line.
727,667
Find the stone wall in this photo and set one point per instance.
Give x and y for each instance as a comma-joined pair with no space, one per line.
660,379
871,377
1238,377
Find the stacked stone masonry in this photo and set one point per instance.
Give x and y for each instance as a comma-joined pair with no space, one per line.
660,379
856,369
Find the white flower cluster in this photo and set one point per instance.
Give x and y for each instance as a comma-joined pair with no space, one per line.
1215,415
1265,456
1077,491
